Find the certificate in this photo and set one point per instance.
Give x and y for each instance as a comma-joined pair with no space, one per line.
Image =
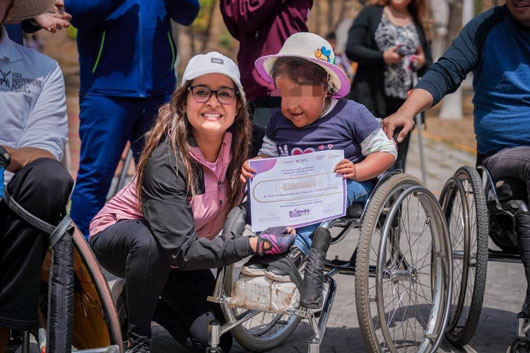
296,191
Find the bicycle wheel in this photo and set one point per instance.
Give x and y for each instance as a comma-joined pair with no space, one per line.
403,269
464,206
263,331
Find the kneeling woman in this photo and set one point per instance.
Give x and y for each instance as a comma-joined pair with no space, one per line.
160,231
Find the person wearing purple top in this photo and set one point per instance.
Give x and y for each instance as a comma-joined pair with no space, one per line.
261,27
314,118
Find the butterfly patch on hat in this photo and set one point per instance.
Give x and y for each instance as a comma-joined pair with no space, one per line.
323,53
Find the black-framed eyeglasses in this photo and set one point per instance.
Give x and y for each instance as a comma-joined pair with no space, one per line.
202,94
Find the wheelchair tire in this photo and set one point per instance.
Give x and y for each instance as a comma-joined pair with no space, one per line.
464,206
403,269
264,331
96,323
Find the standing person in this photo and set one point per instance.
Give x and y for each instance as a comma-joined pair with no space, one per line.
126,58
314,118
171,213
261,27
496,46
33,134
390,41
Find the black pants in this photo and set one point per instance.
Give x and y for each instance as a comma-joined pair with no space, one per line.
42,188
392,105
175,299
512,162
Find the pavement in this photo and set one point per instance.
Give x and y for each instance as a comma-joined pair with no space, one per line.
504,292
503,298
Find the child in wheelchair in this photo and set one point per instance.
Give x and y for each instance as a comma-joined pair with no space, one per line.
313,117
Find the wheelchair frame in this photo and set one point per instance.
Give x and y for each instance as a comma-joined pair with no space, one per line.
381,225
472,193
56,335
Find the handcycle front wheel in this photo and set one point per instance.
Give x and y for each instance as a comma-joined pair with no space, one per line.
403,269
262,332
464,205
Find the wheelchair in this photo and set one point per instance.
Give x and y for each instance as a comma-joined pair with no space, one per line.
478,209
403,278
76,308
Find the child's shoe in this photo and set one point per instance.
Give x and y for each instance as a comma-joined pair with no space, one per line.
254,267
277,273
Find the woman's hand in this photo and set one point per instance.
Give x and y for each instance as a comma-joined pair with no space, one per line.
247,172
346,168
273,241
418,59
390,56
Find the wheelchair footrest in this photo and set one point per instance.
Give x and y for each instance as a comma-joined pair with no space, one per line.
263,294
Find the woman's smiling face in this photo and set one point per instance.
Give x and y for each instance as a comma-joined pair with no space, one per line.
211,117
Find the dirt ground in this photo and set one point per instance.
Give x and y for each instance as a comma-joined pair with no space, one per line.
457,133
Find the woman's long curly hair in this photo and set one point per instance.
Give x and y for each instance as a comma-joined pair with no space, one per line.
420,11
172,122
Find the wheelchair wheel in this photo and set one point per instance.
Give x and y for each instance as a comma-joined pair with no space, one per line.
464,206
96,322
262,332
403,269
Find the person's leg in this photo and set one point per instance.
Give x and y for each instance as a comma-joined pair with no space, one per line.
184,311
127,249
511,163
355,192
104,128
42,188
144,122
515,163
392,105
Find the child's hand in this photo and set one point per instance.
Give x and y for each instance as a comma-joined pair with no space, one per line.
247,172
346,168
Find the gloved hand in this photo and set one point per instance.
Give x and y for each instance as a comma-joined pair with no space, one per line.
274,241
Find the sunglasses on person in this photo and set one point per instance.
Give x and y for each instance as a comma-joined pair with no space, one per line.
224,95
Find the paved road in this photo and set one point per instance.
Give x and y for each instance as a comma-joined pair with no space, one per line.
504,292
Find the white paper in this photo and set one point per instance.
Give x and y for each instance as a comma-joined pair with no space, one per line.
296,191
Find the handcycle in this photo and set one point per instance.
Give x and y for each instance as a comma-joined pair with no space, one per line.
76,308
477,210
403,278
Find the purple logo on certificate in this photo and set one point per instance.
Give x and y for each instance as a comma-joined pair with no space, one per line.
298,213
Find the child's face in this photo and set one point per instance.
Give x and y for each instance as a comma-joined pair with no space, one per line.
301,104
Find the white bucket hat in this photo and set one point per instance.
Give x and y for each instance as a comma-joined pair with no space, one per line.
212,63
24,9
311,47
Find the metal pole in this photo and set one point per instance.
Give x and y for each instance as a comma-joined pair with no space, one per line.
419,127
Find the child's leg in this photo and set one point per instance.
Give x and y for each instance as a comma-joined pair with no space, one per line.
356,191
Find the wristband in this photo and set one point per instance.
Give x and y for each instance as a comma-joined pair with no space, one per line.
5,158
2,169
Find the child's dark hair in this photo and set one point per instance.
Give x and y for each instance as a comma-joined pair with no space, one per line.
303,72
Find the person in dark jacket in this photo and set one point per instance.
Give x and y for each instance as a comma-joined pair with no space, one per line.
388,39
495,46
161,232
126,56
261,27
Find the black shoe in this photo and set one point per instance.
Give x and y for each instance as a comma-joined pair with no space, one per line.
279,273
139,345
254,267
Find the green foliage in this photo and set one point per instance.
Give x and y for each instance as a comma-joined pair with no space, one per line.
225,39
203,18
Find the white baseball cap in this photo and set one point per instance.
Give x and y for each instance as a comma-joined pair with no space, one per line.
211,63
